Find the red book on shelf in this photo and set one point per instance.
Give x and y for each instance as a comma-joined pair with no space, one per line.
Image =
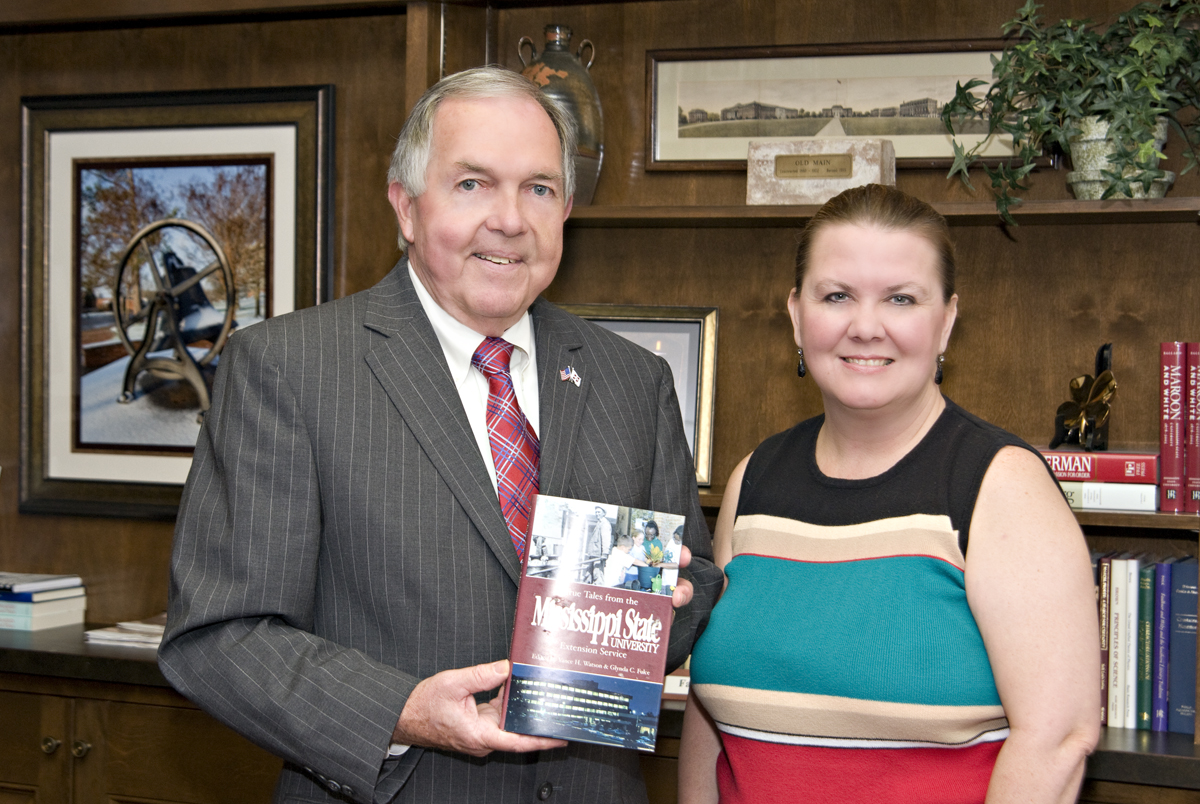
1103,467
1172,394
1191,446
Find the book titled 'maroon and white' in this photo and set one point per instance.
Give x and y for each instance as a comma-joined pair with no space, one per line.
593,618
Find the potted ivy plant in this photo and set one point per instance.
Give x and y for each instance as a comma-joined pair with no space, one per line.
1059,82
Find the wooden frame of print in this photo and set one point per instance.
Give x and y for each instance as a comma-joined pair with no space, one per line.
835,78
690,335
286,130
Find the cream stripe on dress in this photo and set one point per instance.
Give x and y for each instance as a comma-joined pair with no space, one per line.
916,534
801,717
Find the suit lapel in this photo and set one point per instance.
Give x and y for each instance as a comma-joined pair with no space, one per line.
560,343
409,364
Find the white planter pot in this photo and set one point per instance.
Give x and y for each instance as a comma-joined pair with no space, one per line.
1089,156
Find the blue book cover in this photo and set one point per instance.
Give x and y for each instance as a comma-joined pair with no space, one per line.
1181,689
1162,642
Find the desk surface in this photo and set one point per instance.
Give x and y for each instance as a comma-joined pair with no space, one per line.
62,653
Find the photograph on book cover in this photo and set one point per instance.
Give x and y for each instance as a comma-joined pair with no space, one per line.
603,709
154,226
686,337
605,545
706,105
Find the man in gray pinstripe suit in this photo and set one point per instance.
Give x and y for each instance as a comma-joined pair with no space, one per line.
343,580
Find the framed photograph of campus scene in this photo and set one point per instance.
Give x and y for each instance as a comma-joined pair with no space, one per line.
686,337
154,225
705,105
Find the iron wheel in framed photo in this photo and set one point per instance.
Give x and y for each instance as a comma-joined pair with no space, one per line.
154,225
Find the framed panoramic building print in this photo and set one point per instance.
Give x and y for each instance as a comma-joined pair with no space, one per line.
705,106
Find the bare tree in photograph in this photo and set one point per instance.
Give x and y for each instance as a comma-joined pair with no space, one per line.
232,205
115,204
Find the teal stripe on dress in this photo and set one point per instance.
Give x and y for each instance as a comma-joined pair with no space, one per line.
884,629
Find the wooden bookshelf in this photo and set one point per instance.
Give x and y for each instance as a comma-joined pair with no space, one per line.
1031,213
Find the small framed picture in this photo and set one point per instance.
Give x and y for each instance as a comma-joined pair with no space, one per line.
154,226
686,337
706,105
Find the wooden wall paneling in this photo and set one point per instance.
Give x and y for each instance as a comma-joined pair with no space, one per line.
124,562
425,50
467,37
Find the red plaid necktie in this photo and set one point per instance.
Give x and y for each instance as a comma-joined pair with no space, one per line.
514,446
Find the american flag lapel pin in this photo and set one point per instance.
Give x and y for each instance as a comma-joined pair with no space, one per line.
570,375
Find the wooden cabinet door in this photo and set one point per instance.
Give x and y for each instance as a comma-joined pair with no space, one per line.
28,774
167,754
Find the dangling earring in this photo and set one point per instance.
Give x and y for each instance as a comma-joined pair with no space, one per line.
801,369
937,375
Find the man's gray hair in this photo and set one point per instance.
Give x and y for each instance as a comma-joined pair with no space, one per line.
410,159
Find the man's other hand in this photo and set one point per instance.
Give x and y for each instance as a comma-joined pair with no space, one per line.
442,713
683,588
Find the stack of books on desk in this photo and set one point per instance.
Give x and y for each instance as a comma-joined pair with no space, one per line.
1106,481
30,602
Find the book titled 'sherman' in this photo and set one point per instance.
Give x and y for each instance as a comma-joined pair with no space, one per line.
589,646
1104,467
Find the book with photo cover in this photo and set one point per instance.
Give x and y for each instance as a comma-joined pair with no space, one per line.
593,620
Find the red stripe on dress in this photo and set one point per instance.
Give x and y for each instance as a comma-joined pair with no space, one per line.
753,772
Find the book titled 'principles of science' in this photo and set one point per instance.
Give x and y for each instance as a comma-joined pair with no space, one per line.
593,617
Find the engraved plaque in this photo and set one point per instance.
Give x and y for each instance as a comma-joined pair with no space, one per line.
826,166
809,166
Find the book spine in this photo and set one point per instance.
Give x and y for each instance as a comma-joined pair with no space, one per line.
1103,467
1181,694
1191,447
1162,643
1116,644
39,621
38,597
1109,496
1145,662
1132,598
15,609
1172,396
1105,599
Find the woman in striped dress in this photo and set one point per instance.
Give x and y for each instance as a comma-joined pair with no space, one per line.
909,611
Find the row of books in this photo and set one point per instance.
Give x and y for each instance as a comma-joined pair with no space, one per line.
1179,427
1147,641
32,602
